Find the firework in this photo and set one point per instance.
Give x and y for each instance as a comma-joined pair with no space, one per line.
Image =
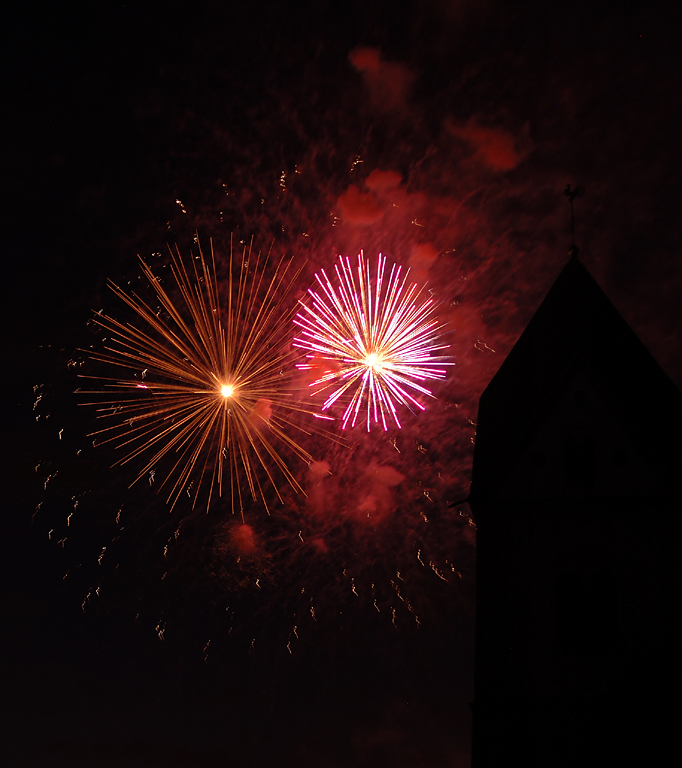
380,335
208,399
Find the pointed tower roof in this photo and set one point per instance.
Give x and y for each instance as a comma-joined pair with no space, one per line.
576,341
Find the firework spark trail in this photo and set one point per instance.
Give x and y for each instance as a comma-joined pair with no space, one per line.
208,392
379,335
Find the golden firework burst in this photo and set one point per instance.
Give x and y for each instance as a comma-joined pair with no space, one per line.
212,392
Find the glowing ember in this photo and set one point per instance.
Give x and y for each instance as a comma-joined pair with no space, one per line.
380,336
213,391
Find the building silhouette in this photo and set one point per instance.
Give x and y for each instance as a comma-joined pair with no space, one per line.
576,496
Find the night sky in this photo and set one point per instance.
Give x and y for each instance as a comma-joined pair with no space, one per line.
338,631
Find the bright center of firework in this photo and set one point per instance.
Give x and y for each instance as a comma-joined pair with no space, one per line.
227,390
375,362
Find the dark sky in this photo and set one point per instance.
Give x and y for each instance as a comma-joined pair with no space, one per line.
441,134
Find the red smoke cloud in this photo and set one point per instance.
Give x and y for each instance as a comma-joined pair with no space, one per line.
377,500
243,539
262,411
360,208
494,146
387,83
364,208
383,181
422,257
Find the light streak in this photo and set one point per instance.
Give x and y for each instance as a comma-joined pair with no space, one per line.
379,335
217,404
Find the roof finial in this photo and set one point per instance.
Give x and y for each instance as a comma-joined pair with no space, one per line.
571,194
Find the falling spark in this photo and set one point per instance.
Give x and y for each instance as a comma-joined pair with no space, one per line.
216,399
379,335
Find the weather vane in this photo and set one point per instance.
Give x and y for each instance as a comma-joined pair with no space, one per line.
571,194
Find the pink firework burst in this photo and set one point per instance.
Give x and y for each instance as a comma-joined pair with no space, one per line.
381,336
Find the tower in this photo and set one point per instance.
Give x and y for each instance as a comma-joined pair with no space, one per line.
576,497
